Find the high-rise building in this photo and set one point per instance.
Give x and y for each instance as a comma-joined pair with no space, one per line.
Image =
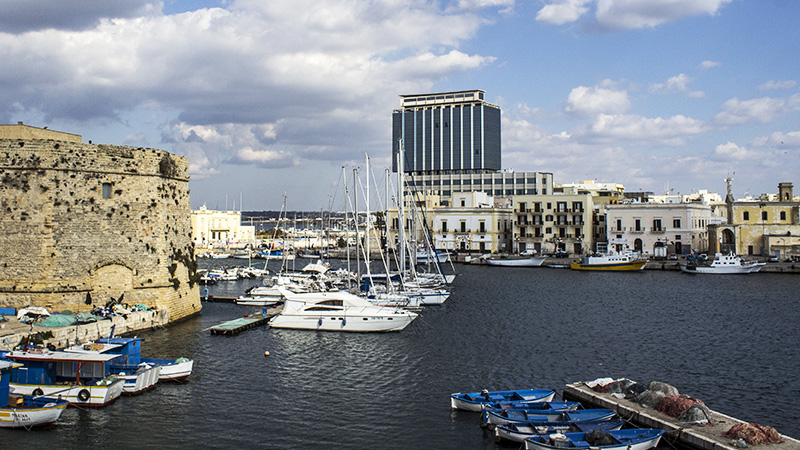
451,143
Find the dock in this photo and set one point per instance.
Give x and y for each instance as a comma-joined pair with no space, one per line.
236,326
218,299
703,437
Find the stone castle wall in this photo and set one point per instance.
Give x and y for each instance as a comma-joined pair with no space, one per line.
82,224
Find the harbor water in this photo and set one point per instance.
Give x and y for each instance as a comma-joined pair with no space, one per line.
731,341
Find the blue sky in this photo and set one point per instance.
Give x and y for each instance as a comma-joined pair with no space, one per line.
274,97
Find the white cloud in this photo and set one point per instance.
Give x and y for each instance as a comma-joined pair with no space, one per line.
587,101
669,131
561,12
764,110
678,83
632,14
731,151
708,64
773,85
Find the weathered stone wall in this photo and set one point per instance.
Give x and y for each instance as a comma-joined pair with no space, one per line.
98,220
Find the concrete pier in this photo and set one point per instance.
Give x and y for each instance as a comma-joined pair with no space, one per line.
705,437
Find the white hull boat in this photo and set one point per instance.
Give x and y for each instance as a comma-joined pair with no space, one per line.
338,311
724,264
516,261
25,412
136,379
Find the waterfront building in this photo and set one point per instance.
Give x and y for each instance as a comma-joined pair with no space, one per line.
212,228
659,229
83,224
554,223
763,226
603,194
466,222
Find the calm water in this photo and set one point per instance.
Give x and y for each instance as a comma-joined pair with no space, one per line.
728,340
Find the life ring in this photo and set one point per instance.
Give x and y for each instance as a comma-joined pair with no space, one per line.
38,391
83,395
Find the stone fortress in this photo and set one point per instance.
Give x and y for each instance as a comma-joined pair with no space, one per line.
82,224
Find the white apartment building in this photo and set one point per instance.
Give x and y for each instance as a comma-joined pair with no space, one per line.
659,228
214,228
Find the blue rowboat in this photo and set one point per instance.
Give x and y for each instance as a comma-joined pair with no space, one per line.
519,431
533,415
630,439
475,401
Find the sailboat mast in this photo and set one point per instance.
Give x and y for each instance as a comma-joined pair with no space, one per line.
400,217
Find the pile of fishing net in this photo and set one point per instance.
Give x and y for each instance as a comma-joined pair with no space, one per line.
656,395
754,434
685,409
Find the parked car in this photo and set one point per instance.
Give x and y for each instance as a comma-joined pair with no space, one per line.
673,257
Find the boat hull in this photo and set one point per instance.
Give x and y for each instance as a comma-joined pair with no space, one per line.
143,378
516,262
475,401
626,440
172,369
82,395
31,416
353,322
632,266
518,432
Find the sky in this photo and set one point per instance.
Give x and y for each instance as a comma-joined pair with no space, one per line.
274,99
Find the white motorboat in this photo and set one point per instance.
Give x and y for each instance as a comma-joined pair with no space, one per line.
338,311
723,264
515,261
137,376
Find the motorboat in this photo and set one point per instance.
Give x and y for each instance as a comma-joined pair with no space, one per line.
169,369
25,411
628,439
82,379
338,311
515,261
722,264
475,401
624,261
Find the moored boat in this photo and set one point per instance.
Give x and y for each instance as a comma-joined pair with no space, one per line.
551,414
628,439
625,261
137,376
515,261
519,431
81,379
25,411
722,264
475,401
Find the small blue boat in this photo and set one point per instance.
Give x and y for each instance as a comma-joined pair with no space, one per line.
475,401
498,416
519,431
629,439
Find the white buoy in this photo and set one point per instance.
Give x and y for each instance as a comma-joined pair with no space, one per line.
266,353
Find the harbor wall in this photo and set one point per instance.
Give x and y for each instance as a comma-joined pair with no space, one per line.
82,224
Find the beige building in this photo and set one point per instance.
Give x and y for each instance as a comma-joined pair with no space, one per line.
659,229
219,228
558,223
767,226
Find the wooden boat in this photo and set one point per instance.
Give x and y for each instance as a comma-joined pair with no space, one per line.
80,378
722,264
515,261
626,261
475,401
25,411
492,416
629,439
519,431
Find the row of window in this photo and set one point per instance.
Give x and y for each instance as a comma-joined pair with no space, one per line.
764,215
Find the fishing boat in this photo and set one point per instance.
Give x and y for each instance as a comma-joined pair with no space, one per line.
722,264
338,311
25,411
625,261
80,378
131,351
475,401
629,439
496,416
137,376
519,431
515,261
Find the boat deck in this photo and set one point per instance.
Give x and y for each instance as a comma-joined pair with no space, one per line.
236,326
705,437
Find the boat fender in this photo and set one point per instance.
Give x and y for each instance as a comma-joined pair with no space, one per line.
37,392
266,353
344,321
83,395
319,324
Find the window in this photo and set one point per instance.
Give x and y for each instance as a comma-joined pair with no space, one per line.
746,215
619,224
463,226
763,215
106,190
482,226
656,224
637,224
444,226
783,215
676,223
